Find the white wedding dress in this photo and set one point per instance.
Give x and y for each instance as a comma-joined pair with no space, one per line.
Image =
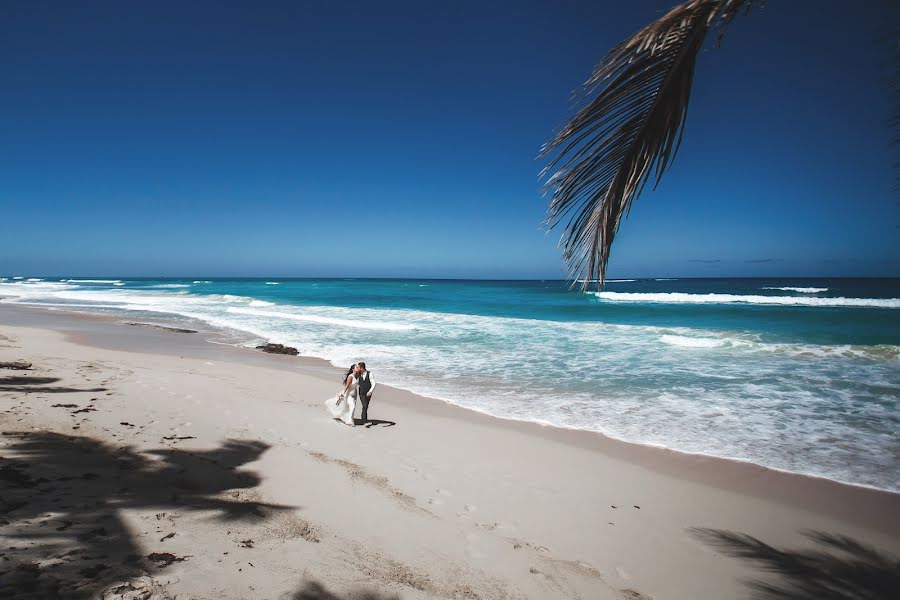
343,409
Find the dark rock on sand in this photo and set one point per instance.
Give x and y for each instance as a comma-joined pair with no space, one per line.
278,349
16,364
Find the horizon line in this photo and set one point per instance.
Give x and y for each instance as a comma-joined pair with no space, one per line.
402,278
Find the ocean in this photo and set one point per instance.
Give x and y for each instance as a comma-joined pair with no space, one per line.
801,375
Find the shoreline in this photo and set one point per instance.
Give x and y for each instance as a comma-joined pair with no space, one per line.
730,474
695,387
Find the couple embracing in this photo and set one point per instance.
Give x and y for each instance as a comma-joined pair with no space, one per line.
358,384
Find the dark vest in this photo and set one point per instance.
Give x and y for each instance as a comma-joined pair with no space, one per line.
365,384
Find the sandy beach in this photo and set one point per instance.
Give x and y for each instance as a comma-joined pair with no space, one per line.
143,461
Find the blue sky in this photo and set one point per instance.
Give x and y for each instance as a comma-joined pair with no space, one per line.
399,139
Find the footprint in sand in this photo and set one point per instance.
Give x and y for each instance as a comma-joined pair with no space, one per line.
621,572
439,501
472,551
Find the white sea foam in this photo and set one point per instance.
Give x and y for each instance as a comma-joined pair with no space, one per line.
34,279
312,318
692,342
619,280
273,283
681,298
170,286
19,277
113,281
800,290
231,298
203,281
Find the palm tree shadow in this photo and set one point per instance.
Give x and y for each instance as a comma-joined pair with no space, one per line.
61,499
27,380
838,568
315,591
26,385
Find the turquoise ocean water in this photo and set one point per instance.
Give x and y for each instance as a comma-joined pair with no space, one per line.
801,375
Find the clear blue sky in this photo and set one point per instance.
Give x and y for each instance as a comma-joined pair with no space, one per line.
399,139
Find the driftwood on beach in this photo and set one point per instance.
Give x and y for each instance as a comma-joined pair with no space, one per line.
16,364
162,327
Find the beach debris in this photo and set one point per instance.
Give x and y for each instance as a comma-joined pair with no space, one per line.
64,526
307,532
127,424
248,543
278,349
19,365
84,410
637,507
161,327
141,588
63,406
166,537
179,437
614,506
164,559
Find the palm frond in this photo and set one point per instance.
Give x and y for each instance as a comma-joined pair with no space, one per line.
629,127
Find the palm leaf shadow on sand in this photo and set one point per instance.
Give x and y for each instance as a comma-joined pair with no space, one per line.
61,499
315,591
27,385
838,568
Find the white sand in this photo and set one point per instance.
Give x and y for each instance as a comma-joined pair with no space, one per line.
445,503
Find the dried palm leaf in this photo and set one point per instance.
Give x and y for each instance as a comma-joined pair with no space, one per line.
629,127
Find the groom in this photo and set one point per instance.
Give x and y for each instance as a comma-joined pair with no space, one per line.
366,387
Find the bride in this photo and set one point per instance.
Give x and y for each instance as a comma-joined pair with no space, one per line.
342,406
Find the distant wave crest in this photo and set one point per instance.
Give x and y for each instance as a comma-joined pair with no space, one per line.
681,298
799,290
113,281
